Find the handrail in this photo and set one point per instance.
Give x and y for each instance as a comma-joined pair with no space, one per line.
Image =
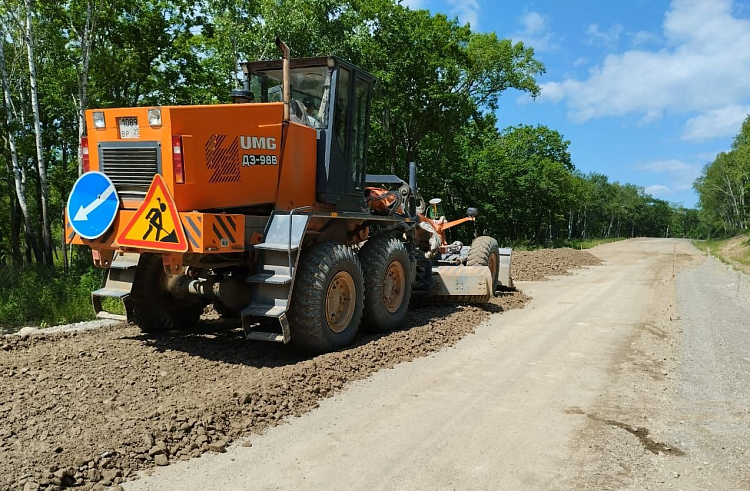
289,244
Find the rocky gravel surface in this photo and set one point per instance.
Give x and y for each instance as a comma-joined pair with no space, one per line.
538,265
88,409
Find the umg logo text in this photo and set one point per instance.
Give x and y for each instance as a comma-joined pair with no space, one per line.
258,142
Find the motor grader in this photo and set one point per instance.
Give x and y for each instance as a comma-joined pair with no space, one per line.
264,208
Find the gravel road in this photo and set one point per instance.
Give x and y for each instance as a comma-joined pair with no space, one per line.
681,392
87,409
582,389
712,396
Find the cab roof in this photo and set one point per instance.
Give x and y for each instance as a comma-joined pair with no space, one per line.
330,61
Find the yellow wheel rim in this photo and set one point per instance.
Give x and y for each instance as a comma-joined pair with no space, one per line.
340,301
394,286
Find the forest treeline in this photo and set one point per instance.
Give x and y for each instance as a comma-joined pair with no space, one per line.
438,87
723,188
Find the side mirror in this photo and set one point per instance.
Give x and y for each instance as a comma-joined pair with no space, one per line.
472,212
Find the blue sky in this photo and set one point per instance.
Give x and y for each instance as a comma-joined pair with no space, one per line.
647,91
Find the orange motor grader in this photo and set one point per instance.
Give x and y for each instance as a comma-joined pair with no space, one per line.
264,208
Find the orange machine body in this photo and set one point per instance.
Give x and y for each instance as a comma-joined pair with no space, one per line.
236,158
234,155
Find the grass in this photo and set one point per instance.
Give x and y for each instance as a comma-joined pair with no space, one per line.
37,296
708,245
588,243
733,251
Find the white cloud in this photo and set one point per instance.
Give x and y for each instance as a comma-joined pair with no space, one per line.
580,61
609,38
467,11
643,38
657,190
535,32
716,123
668,165
704,67
677,173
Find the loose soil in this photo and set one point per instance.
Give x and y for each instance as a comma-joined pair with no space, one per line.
538,265
88,409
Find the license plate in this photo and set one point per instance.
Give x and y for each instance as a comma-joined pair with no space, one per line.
129,128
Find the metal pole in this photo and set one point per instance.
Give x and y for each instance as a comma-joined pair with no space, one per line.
285,82
413,176
413,186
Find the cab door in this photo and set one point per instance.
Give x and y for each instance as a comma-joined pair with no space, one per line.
345,144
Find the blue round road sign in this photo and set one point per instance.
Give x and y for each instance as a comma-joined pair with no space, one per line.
92,205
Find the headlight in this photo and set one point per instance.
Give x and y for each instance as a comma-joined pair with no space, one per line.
99,120
154,116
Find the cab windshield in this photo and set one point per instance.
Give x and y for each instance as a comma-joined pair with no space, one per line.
310,92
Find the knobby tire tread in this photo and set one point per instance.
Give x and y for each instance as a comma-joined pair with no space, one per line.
318,265
376,255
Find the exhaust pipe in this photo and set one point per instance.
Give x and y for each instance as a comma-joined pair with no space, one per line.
413,186
285,75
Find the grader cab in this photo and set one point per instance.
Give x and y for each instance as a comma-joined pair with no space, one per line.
265,209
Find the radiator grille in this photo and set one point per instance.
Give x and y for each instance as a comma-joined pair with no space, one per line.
130,167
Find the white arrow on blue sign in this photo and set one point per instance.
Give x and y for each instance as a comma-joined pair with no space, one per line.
92,205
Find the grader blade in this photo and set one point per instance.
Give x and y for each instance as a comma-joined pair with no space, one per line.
470,284
503,273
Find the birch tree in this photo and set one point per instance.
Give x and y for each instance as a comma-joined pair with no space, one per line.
84,38
41,169
19,182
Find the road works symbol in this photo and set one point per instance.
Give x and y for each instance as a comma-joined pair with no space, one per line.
92,205
156,225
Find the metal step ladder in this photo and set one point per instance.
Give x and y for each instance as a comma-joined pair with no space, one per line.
273,278
117,283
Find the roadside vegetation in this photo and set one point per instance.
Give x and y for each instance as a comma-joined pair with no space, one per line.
46,297
724,189
734,251
438,86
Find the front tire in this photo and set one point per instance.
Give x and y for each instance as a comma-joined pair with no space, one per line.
485,252
385,262
154,308
326,307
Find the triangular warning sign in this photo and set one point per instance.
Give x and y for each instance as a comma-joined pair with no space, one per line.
156,225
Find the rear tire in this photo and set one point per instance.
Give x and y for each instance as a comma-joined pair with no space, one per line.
154,308
385,262
326,307
485,252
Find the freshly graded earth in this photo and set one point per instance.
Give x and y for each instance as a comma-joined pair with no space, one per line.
88,409
540,264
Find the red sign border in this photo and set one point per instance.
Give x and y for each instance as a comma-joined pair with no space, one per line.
180,246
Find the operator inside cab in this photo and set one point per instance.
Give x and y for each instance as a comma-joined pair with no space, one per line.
310,112
242,96
309,87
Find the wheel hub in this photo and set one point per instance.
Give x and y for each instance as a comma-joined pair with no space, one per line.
394,286
340,301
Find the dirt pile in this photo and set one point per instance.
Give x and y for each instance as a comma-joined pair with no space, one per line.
88,409
538,265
